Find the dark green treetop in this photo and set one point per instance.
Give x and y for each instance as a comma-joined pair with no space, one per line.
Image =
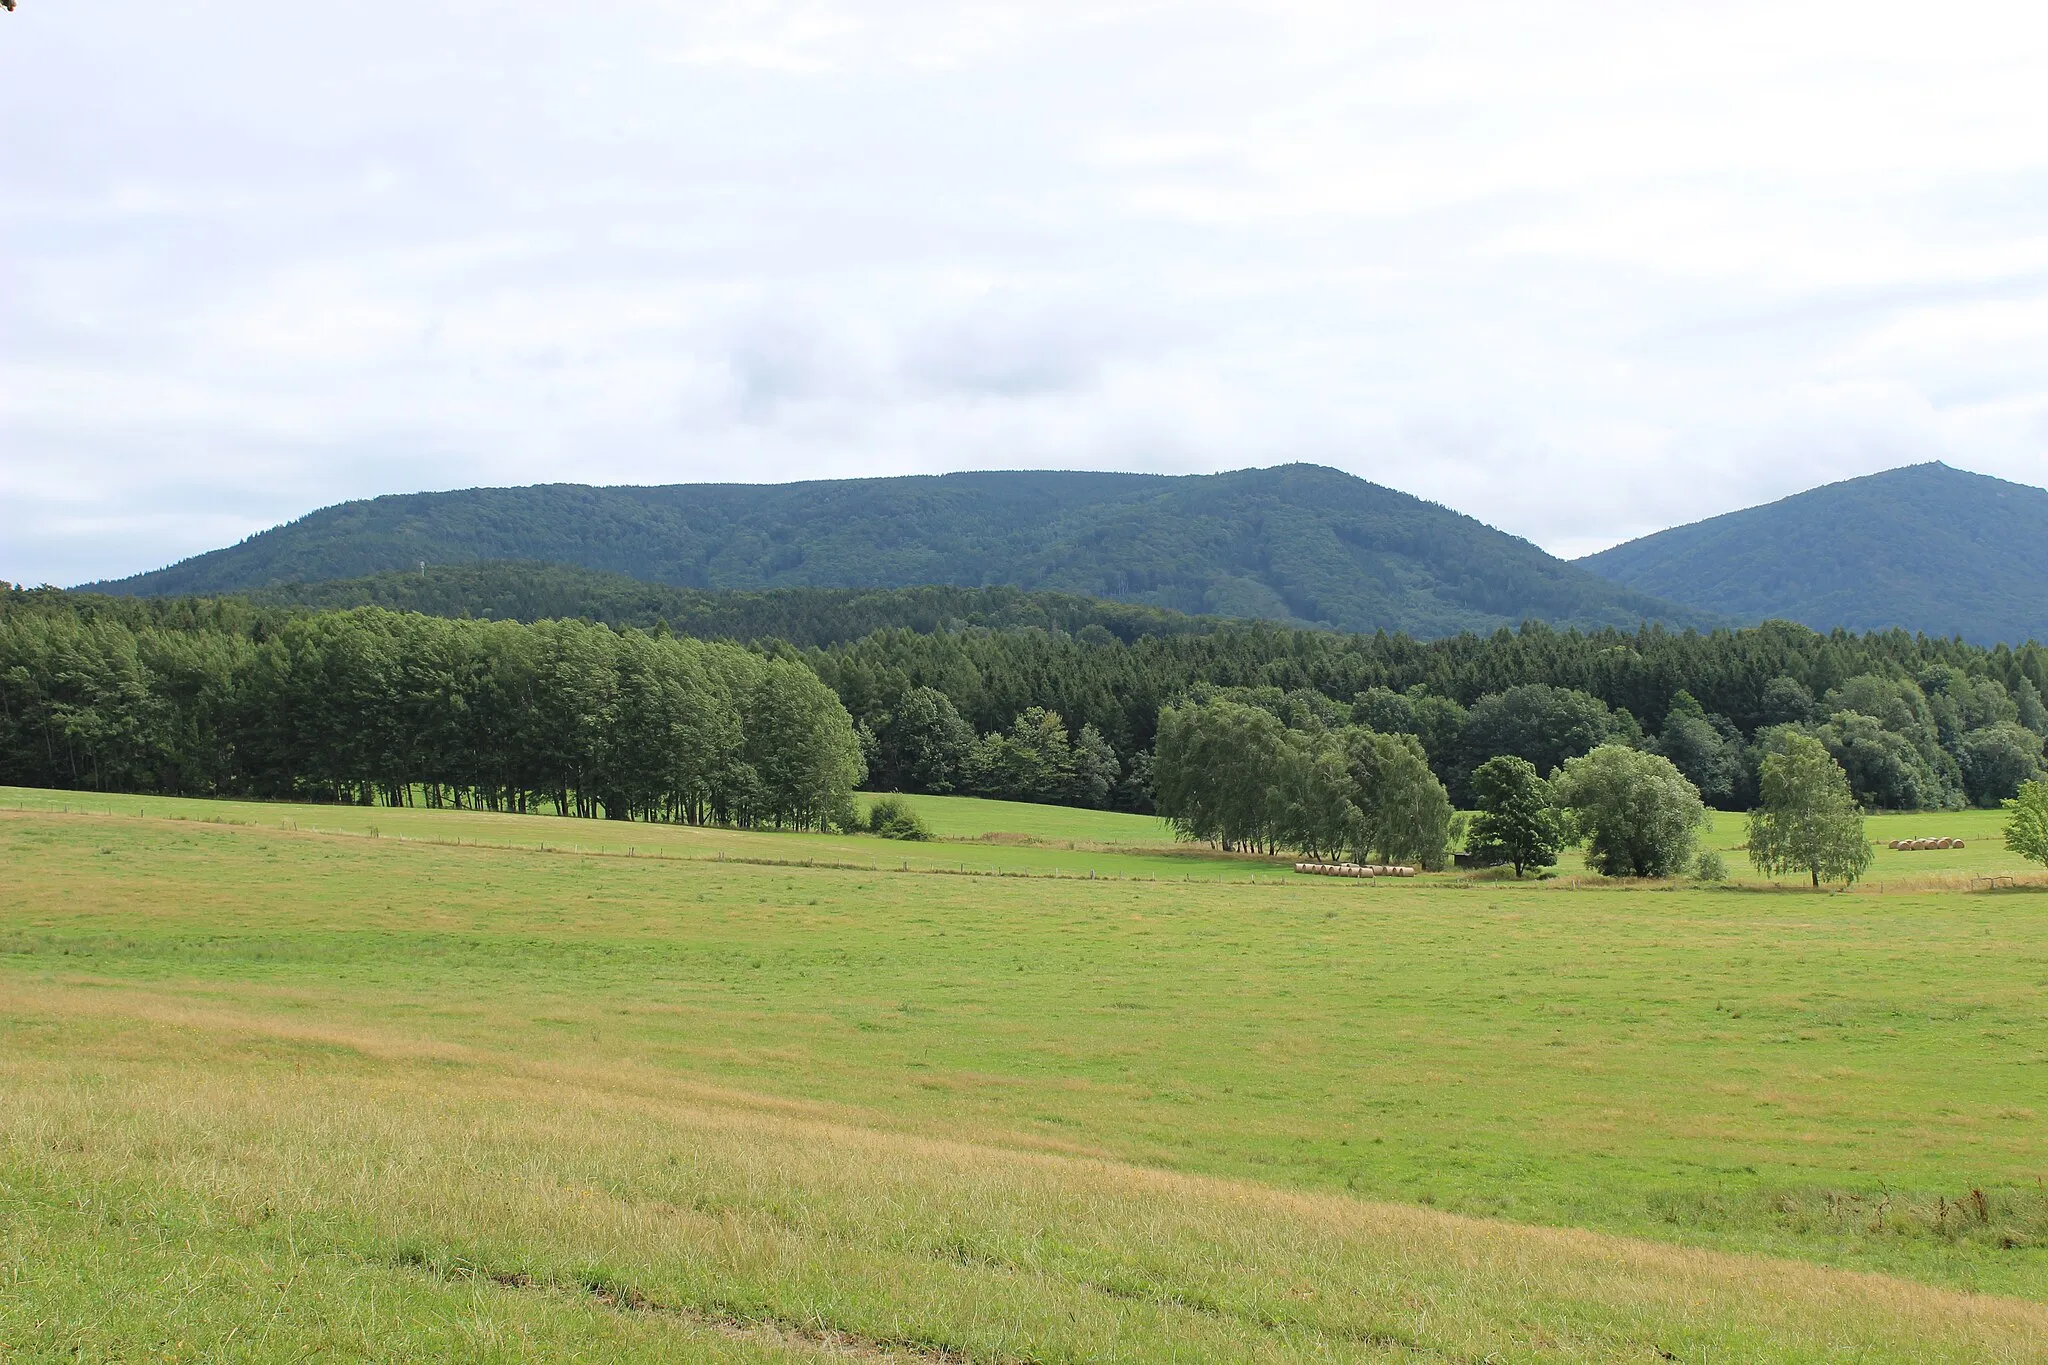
1518,820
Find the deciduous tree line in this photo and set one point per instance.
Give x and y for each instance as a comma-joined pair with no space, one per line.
922,744
377,706
1233,774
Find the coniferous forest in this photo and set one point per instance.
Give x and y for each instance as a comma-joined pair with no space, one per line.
226,696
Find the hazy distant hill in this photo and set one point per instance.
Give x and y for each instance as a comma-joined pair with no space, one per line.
1927,548
1297,543
519,591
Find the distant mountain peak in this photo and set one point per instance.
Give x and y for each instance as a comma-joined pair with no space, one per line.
1924,547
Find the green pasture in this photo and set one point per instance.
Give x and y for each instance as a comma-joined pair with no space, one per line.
258,1066
1009,838
1030,840
1653,1061
973,817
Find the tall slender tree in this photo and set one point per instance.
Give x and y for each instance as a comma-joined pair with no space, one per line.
1809,821
2026,822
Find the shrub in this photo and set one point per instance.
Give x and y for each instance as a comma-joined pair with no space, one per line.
893,818
844,817
1710,867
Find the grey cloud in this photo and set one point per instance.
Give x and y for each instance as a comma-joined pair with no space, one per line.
1022,343
1579,274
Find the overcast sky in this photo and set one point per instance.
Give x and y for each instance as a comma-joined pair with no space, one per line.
1582,271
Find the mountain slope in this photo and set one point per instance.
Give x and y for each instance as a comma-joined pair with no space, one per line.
1298,543
1927,548
517,591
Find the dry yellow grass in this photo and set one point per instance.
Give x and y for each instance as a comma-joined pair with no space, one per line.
620,1212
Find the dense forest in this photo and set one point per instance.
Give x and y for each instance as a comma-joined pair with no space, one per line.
800,616
1923,548
1917,722
224,695
381,707
1297,543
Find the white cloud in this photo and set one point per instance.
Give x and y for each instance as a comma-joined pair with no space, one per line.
1582,270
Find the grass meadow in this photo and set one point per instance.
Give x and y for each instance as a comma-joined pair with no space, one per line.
310,1082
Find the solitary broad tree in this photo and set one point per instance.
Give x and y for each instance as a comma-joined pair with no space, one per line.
1518,820
1639,815
2026,822
1809,821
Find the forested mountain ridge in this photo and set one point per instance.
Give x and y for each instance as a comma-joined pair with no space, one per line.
1924,548
1295,543
805,617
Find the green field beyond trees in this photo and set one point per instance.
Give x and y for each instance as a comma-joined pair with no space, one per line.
288,1082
